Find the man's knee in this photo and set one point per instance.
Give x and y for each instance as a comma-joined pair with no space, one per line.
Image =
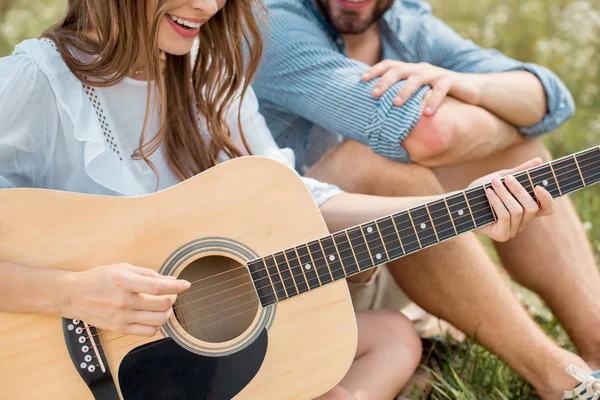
355,168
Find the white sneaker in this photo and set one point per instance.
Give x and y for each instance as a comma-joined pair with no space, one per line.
587,389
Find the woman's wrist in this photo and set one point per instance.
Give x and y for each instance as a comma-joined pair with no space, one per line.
59,293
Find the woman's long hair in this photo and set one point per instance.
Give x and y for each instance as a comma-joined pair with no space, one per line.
230,48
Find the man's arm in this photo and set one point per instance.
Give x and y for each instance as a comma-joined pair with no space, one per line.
529,96
301,72
517,97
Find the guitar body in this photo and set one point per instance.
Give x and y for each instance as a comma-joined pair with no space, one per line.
223,343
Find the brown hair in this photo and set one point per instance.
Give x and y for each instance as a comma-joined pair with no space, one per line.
220,72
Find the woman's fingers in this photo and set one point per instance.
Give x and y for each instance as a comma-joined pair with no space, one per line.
530,207
136,283
512,205
146,302
546,202
501,228
526,165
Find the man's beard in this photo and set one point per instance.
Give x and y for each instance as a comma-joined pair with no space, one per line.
350,22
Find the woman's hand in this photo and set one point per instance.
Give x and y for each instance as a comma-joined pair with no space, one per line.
514,207
121,298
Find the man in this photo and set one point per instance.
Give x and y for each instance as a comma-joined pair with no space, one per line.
443,112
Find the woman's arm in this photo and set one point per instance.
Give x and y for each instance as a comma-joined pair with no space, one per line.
514,207
121,298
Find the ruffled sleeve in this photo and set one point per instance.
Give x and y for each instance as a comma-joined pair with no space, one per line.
261,143
28,122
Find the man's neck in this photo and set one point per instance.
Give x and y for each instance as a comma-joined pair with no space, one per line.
365,47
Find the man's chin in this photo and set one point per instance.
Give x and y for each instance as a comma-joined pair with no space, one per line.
351,27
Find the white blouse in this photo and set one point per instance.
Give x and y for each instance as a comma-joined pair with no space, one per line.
56,133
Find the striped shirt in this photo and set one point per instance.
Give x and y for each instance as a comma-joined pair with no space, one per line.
311,94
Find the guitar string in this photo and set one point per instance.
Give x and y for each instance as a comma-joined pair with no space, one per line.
254,300
293,276
435,202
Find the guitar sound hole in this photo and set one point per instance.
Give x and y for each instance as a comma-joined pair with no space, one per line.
221,303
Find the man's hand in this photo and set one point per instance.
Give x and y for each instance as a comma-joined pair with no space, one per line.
513,205
442,81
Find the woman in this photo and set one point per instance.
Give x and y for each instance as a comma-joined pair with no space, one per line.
107,102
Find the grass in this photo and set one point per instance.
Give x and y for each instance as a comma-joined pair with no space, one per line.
563,35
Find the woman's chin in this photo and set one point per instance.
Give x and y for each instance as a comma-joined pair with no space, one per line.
177,50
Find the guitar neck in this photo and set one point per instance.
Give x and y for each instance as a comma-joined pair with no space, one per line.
311,265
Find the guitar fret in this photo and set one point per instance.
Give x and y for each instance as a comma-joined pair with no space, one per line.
390,238
398,234
308,267
275,278
361,252
460,213
333,258
450,216
374,243
569,179
590,165
441,220
297,271
325,258
556,180
470,211
530,181
346,253
423,226
319,262
407,233
432,224
387,254
262,282
414,229
579,169
366,244
480,207
288,280
544,177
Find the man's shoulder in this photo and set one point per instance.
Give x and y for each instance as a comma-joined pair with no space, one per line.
299,8
293,18
416,7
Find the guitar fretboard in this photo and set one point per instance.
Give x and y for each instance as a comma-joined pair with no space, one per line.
288,273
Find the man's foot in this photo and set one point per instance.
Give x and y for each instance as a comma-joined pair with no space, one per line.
587,389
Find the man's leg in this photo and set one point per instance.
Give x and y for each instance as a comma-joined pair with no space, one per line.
552,256
455,280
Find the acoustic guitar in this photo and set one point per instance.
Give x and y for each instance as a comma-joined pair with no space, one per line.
268,315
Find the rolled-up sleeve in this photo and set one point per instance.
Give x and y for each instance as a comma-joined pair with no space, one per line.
302,72
436,43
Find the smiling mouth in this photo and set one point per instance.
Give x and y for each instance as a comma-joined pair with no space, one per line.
184,23
354,3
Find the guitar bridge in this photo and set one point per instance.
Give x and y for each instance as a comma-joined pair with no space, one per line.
87,355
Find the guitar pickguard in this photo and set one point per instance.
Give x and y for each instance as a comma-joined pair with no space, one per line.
164,370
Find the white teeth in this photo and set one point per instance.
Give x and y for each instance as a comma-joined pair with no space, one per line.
189,24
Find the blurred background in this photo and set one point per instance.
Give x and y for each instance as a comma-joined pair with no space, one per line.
562,35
